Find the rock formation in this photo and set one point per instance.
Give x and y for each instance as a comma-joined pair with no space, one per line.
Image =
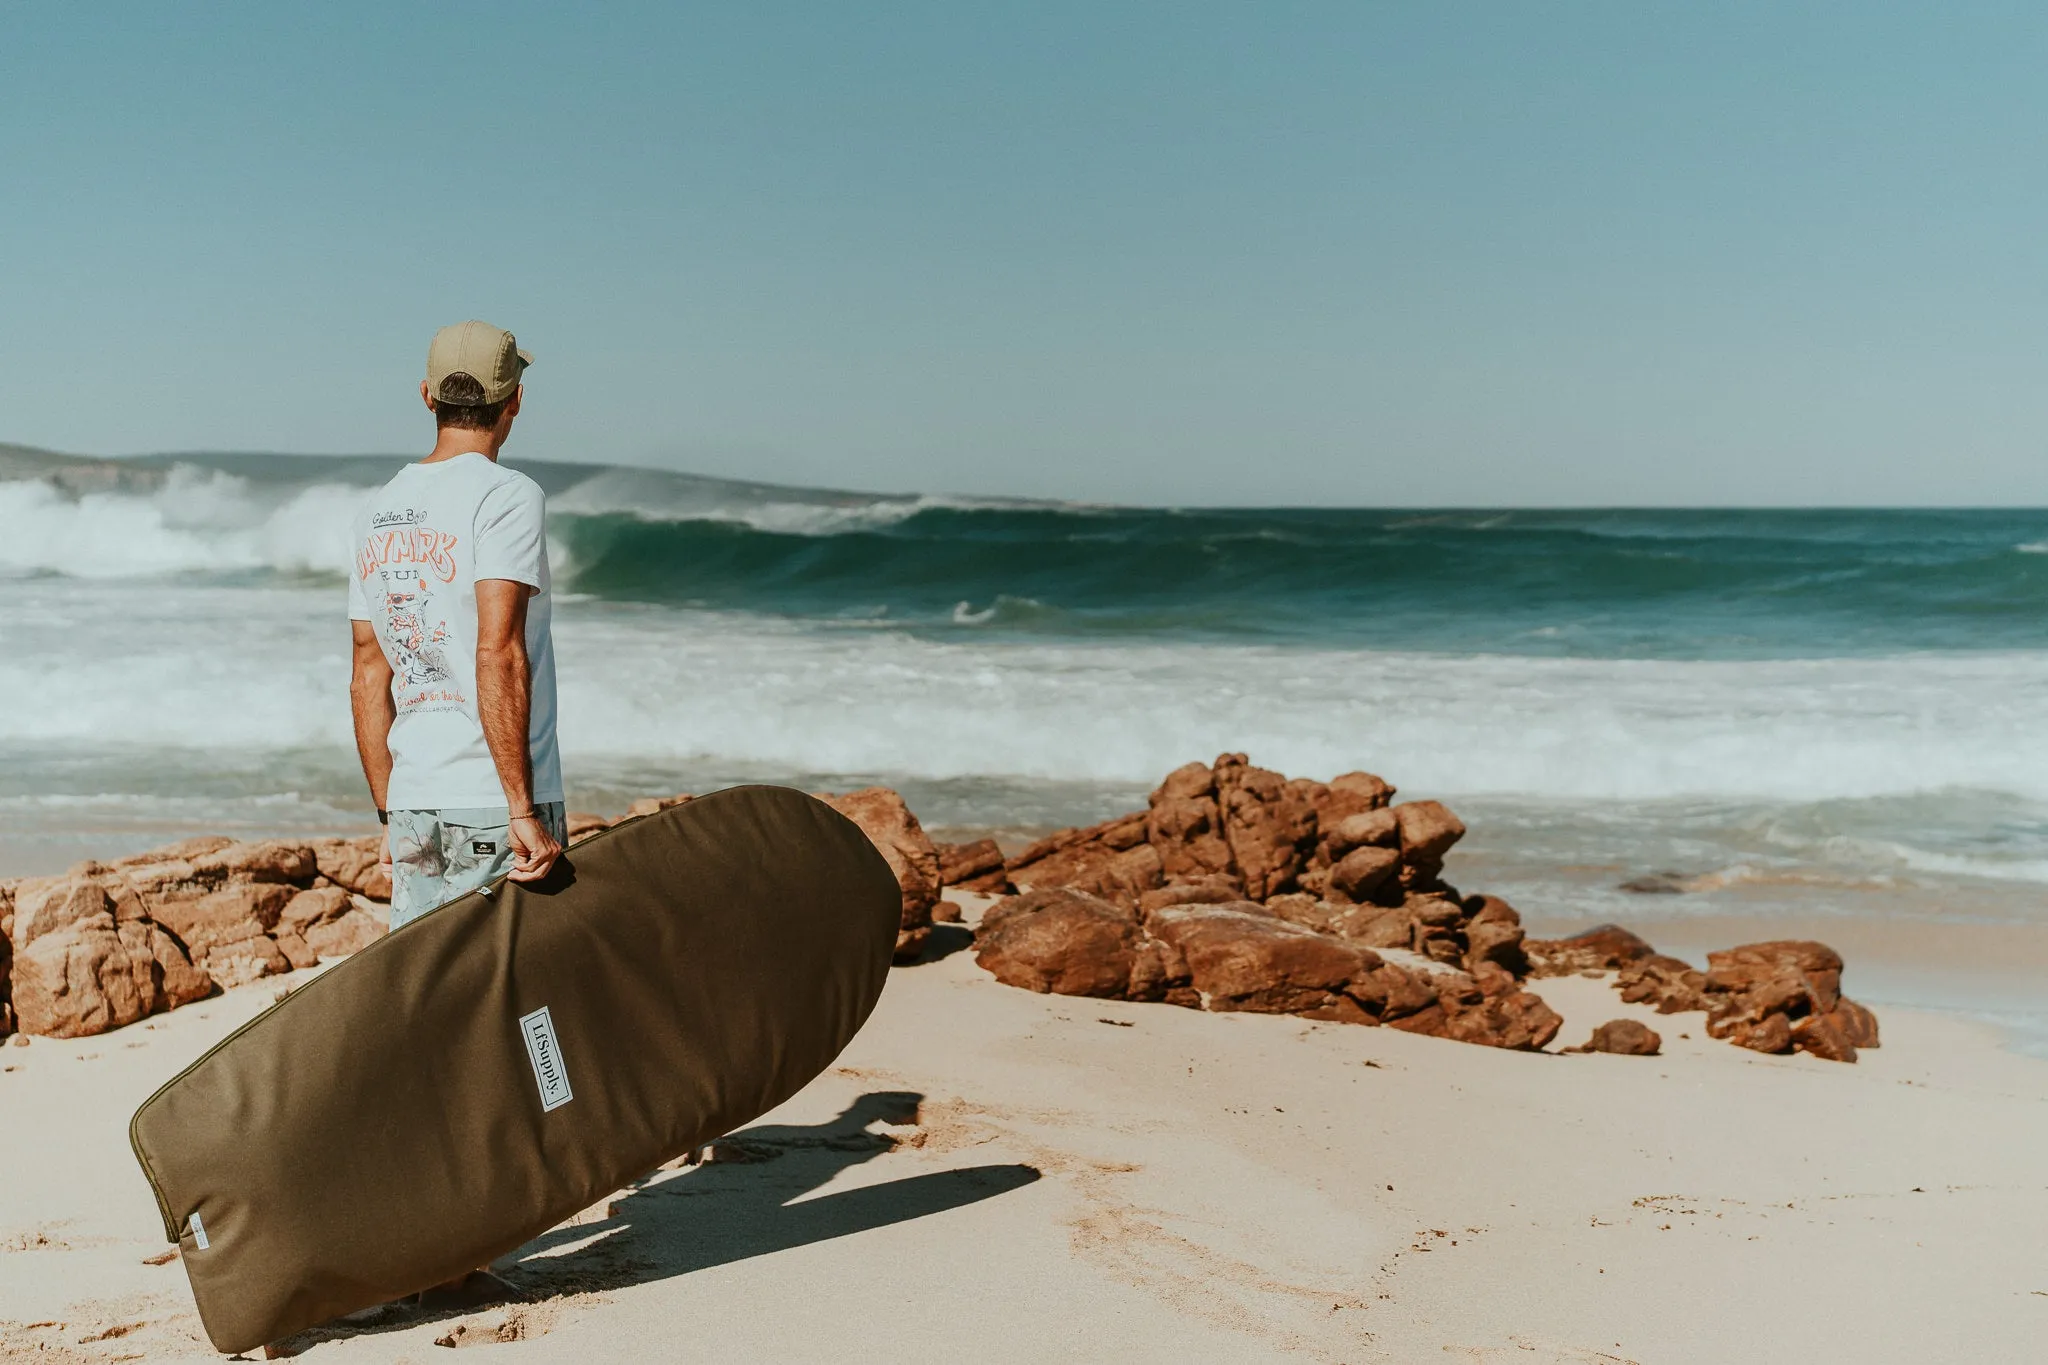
105,944
1781,996
1623,1037
888,823
1239,888
979,867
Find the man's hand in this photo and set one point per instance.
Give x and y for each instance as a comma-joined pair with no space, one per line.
384,854
534,849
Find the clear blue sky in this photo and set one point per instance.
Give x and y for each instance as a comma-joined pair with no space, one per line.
1260,253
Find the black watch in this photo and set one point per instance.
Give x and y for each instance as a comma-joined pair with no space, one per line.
383,817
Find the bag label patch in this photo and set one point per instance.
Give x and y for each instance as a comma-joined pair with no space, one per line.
482,846
545,1053
198,1231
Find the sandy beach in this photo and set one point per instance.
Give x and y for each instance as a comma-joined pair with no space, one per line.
995,1174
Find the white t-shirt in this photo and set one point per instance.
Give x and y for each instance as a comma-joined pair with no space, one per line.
421,543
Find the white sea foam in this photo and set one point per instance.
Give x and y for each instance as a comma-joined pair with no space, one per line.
197,521
161,663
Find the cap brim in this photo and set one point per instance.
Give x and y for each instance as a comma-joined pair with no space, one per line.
525,359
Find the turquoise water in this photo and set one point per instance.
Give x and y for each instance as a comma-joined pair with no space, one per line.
1805,717
1594,584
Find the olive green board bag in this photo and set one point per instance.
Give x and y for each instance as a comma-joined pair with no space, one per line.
476,1077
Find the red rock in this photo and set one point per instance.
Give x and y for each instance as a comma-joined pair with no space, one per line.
648,805
1363,871
1857,1024
1518,1020
183,851
317,906
1349,794
1496,944
1110,860
1802,954
1624,1037
1298,907
1428,829
323,922
1115,834
1820,1035
976,867
1813,968
1392,991
43,905
1241,961
1061,941
272,860
1603,949
582,824
349,932
1379,828
83,979
176,878
1429,1021
1772,1033
1185,824
1376,926
228,931
1208,891
1771,996
888,823
1493,978
1270,828
179,982
299,953
1493,936
1669,984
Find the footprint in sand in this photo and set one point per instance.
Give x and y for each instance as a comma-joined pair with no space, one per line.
517,1325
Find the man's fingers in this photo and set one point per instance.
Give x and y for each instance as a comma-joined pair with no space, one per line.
525,869
532,857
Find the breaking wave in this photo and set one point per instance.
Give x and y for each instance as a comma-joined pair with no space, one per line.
1700,585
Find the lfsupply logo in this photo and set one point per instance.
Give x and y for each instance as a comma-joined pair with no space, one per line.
545,1053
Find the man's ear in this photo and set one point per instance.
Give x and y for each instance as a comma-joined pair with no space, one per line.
426,395
512,409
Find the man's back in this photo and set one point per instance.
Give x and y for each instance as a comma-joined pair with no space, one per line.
420,545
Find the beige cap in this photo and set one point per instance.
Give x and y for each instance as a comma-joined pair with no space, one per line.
490,355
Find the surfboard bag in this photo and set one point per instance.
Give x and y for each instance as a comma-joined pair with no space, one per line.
476,1077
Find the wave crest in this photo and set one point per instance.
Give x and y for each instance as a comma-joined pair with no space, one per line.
196,521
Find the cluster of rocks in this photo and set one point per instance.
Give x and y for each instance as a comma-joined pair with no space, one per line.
105,944
1780,996
1239,888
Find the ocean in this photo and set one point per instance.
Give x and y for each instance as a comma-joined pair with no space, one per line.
1806,717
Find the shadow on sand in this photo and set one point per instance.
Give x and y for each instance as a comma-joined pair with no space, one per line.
746,1199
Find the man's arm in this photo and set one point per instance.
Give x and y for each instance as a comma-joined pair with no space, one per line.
504,699
369,698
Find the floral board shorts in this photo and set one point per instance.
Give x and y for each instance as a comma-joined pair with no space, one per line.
437,855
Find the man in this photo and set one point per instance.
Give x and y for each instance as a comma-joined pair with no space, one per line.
454,676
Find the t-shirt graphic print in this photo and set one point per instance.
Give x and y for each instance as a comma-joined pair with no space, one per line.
420,545
410,559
